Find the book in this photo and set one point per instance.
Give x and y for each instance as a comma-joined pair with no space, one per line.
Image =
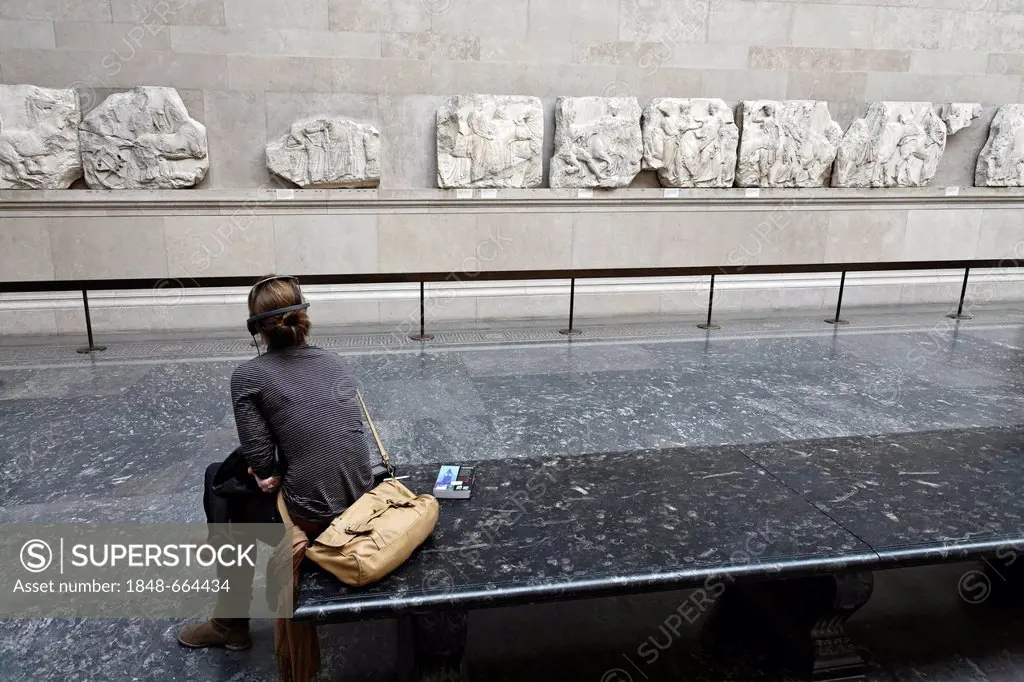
454,482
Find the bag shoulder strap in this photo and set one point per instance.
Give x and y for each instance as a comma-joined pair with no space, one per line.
384,459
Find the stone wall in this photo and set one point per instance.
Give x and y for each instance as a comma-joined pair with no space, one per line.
248,69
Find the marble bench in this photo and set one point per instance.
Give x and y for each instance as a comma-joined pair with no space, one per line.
790,531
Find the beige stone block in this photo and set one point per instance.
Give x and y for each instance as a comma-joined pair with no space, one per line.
339,315
429,46
576,20
945,292
547,51
405,16
291,42
326,244
913,28
25,249
828,86
753,23
860,291
568,80
123,38
988,89
418,242
647,83
381,76
56,10
304,14
504,241
237,156
284,74
596,306
218,246
523,307
493,78
694,55
610,53
778,234
1002,235
29,322
167,12
737,85
933,61
988,32
408,141
942,234
440,305
784,235
108,247
787,298
827,59
26,34
1012,64
89,70
616,240
670,23
691,238
694,301
863,236
818,25
508,18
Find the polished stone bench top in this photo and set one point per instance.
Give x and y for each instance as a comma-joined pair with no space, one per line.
953,491
560,528
544,529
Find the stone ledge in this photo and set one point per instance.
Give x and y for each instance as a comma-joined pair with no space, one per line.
428,200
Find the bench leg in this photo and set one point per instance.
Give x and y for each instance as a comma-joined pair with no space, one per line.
835,656
799,622
431,647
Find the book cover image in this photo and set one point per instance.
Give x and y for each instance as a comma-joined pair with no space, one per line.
454,482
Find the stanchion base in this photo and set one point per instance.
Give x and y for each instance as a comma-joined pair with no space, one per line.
710,327
837,321
421,337
569,332
90,349
961,316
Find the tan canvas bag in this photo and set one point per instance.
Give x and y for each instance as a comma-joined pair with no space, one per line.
378,532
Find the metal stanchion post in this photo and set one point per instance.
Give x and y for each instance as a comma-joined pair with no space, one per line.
92,347
711,299
959,314
423,335
569,331
839,303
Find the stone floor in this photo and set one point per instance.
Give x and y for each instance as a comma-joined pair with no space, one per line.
126,435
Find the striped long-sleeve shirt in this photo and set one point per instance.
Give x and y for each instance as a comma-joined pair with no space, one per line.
301,401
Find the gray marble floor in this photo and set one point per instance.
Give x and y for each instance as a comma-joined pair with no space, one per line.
127,435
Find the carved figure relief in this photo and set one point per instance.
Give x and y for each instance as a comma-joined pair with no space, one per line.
1001,162
597,142
896,144
958,115
327,152
38,138
690,142
786,144
490,141
143,139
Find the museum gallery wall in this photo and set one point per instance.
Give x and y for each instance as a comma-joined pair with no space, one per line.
145,139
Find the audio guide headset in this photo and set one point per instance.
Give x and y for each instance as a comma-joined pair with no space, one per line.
252,324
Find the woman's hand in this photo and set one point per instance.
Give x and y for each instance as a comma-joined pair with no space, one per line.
267,485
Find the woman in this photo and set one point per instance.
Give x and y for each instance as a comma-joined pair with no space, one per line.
299,401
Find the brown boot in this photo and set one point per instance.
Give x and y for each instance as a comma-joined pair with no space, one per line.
230,633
